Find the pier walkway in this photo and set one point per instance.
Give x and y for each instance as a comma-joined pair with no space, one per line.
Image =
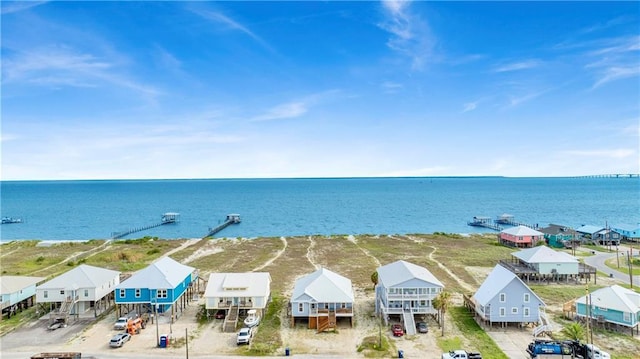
231,219
167,218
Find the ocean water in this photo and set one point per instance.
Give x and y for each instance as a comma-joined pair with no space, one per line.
81,210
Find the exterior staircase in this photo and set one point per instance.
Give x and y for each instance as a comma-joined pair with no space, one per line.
545,326
231,320
327,322
409,322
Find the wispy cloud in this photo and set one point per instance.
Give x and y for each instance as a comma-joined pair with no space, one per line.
410,35
295,108
469,106
605,153
616,73
8,7
218,17
58,66
519,65
614,59
391,87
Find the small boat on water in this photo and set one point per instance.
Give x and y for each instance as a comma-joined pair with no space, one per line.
8,220
252,319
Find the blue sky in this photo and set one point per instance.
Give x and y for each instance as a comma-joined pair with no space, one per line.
104,90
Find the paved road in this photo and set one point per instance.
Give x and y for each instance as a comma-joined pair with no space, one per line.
598,261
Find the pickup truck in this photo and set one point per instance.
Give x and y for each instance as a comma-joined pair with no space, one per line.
461,354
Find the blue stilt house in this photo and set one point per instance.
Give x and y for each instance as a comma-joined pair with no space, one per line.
164,286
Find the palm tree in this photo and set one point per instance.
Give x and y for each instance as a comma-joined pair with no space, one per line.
442,302
374,279
574,331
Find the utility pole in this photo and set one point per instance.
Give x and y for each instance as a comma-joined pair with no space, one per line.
588,311
186,341
157,329
630,265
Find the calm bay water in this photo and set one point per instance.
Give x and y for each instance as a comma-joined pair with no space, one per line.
80,210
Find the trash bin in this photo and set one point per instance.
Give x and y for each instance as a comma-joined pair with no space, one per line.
400,354
164,341
287,352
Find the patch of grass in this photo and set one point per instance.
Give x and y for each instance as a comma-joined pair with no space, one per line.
267,339
17,320
377,346
624,265
558,294
479,339
449,344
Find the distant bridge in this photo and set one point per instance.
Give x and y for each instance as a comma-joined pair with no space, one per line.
612,175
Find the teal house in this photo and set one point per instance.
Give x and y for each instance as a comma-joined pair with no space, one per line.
164,286
614,306
18,292
628,232
558,236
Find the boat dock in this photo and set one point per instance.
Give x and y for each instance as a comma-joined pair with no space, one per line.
486,222
10,220
167,218
509,220
231,219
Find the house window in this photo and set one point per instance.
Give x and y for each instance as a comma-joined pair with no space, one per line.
626,316
313,305
514,310
423,303
503,297
344,306
161,293
122,292
300,308
525,311
86,292
46,294
62,292
527,297
503,311
137,292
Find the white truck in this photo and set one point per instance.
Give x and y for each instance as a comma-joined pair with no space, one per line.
461,354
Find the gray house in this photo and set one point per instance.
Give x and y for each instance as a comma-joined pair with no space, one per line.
505,299
18,292
322,298
405,289
84,289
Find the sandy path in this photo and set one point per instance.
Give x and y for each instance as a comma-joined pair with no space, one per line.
464,284
353,239
309,249
267,263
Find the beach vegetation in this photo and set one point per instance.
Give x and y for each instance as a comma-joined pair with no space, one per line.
478,339
376,346
267,339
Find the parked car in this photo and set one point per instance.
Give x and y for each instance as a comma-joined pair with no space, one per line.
121,323
397,330
244,336
118,340
422,327
220,314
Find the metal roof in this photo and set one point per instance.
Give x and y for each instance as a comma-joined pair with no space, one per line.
82,276
324,286
522,231
614,297
247,284
166,273
589,229
544,254
12,284
499,278
401,271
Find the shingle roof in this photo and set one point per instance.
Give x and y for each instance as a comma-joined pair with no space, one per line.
324,286
82,276
544,254
558,229
614,297
248,284
522,231
11,284
166,273
499,278
400,271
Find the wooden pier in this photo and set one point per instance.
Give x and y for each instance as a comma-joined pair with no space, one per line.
509,220
231,219
167,218
485,222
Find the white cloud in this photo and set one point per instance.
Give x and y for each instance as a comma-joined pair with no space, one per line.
391,87
469,106
220,18
410,36
616,73
283,111
9,7
516,66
